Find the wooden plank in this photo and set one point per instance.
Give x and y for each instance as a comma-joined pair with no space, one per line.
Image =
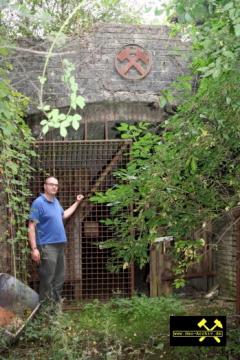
189,276
153,272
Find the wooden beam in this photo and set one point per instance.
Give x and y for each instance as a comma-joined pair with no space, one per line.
85,207
189,276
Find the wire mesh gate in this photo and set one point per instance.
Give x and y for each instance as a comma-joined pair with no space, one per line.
84,167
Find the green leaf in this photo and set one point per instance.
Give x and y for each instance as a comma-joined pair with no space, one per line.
123,127
45,129
63,131
126,136
62,117
42,80
228,6
232,14
75,121
228,54
193,165
162,101
66,122
80,101
73,83
77,117
55,125
53,115
237,29
188,17
75,124
216,73
13,167
73,101
3,51
46,107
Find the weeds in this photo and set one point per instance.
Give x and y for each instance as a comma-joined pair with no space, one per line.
121,329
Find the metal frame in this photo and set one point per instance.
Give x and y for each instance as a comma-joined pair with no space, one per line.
84,167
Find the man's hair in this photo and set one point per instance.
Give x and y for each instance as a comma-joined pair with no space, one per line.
49,177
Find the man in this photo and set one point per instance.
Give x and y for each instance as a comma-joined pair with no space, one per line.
47,239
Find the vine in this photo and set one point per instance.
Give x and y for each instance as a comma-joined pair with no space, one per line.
15,172
55,119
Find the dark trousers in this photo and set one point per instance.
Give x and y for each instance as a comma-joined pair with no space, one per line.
51,271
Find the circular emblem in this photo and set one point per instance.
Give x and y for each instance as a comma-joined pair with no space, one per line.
133,62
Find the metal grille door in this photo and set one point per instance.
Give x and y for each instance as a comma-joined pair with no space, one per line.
84,167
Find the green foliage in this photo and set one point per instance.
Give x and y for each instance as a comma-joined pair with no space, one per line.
133,231
15,172
177,181
191,173
56,119
114,330
120,329
154,192
185,253
45,18
213,26
126,317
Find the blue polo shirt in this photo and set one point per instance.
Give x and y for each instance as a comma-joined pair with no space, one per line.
48,216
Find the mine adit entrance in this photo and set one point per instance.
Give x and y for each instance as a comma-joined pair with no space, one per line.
84,167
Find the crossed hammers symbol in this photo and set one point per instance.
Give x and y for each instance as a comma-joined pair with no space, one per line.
132,60
217,324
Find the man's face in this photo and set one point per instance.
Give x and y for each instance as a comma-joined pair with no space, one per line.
51,186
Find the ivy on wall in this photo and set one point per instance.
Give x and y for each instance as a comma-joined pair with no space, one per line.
16,150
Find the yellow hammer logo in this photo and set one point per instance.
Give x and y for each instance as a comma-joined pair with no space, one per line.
217,324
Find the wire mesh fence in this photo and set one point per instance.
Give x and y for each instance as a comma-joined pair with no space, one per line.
84,167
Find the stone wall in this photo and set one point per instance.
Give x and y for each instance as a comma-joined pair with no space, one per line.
93,55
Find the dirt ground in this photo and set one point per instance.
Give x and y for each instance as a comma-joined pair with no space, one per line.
6,317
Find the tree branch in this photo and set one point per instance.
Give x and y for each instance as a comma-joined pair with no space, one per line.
43,53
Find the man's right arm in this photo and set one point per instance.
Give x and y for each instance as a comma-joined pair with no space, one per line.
35,254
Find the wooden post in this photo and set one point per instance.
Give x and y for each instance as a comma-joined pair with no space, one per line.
160,265
153,272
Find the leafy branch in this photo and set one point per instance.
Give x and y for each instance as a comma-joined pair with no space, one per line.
16,144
